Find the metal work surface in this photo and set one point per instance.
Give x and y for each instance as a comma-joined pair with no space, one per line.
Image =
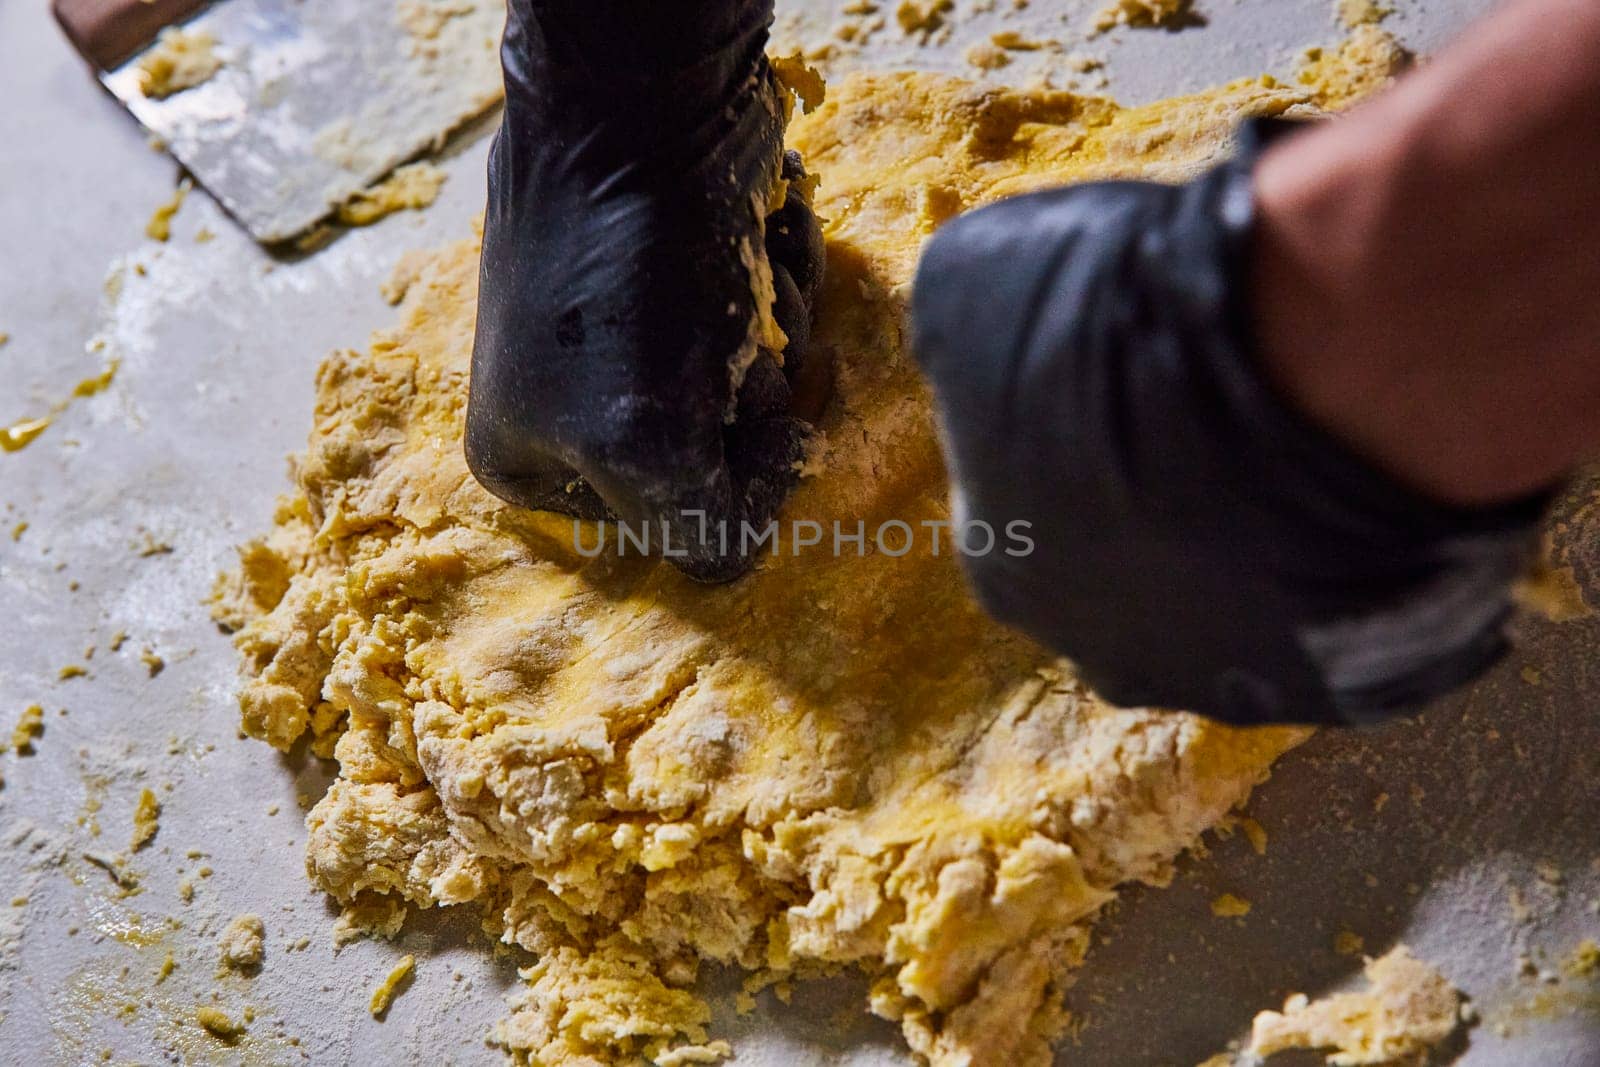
1470,835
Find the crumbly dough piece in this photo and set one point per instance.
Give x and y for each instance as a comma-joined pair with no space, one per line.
29,728
179,60
1408,1009
1141,13
393,982
159,228
146,820
219,1024
922,16
833,761
986,55
240,946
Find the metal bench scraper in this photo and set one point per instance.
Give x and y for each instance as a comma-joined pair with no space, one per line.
313,100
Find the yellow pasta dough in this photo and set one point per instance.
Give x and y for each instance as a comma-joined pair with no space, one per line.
834,761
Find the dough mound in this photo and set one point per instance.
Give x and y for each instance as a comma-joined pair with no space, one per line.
833,762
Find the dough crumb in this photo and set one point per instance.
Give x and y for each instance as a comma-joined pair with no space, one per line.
218,1024
1584,960
1353,13
801,79
922,16
414,186
29,728
392,986
1228,906
1408,1009
149,545
1255,833
146,819
159,228
1012,41
179,60
1143,14
153,663
1348,943
21,434
240,946
1363,64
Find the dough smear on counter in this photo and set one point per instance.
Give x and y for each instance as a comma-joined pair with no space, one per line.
833,762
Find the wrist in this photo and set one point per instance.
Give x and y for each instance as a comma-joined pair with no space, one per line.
1436,348
1423,273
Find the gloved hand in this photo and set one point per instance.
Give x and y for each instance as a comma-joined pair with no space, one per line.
1196,543
619,367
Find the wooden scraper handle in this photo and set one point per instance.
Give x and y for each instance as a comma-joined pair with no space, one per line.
108,32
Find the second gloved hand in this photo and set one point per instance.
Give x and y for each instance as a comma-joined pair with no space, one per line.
1197,544
621,368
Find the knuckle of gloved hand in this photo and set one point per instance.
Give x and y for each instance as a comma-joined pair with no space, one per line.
764,391
495,457
487,463
521,473
794,241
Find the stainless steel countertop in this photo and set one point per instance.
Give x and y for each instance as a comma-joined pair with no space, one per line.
186,448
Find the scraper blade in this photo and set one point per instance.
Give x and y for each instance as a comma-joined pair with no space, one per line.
313,100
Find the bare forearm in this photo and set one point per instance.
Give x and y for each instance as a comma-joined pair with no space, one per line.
1427,267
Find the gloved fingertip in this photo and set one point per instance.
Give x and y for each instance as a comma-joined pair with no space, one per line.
794,241
794,167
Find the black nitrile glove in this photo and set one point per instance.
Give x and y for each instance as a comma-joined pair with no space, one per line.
616,371
1196,544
